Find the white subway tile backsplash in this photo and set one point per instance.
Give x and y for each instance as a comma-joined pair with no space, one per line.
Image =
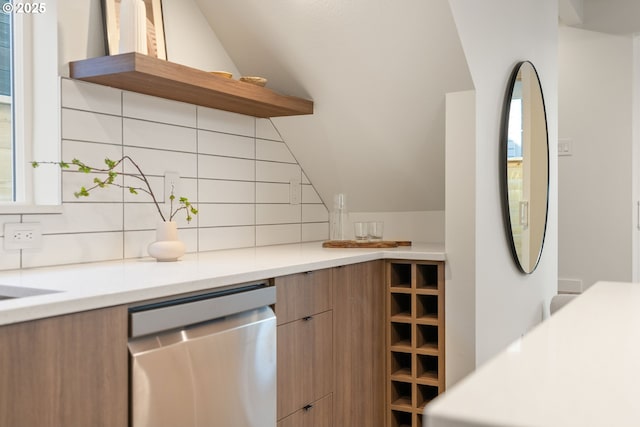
224,144
90,97
277,214
224,121
309,194
82,217
218,191
277,234
315,231
215,167
9,260
140,216
136,243
276,172
235,169
140,133
157,162
74,248
215,238
90,153
273,150
270,192
92,127
314,213
146,107
190,238
222,215
266,130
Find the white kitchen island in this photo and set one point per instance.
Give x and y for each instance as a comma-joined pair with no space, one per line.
581,367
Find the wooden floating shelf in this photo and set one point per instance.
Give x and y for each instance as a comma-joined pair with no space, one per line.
140,73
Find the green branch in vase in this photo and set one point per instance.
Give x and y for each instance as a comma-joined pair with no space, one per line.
109,169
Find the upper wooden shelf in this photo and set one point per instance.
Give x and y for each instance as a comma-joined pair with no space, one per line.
144,74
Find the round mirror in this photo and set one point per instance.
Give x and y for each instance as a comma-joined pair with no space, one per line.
524,157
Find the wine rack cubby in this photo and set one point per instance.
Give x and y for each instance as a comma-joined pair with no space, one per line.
415,338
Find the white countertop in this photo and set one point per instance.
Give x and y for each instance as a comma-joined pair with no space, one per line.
581,367
96,285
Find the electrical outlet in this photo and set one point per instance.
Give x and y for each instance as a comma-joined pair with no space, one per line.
26,235
171,183
295,191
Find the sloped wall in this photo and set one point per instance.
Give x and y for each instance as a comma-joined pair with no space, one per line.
378,72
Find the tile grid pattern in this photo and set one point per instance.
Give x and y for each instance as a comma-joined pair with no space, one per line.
236,168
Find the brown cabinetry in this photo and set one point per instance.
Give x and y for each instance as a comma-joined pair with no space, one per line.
359,319
69,371
319,414
415,336
304,311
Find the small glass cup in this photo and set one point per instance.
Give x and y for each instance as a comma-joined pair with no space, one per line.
360,231
375,229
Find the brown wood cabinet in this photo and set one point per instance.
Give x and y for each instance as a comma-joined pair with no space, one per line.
305,349
359,319
317,415
69,371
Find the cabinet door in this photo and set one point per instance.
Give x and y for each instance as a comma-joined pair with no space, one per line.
359,316
69,371
318,414
305,362
303,294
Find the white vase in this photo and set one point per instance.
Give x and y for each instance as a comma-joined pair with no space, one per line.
167,246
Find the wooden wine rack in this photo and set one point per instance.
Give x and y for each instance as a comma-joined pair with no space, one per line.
415,339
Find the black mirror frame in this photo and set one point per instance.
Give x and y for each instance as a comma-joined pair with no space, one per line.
504,178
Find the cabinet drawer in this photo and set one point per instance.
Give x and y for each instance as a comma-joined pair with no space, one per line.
305,362
304,294
317,414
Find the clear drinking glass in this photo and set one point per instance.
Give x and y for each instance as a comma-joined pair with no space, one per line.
375,229
360,231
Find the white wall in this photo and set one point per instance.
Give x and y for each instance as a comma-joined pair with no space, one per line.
460,232
495,35
595,183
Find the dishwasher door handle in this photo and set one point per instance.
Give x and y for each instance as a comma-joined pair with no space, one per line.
171,316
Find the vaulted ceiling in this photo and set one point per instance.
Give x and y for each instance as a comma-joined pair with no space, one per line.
378,72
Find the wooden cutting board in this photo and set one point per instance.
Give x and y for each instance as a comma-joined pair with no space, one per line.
356,244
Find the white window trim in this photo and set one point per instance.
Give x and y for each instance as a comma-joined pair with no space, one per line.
37,121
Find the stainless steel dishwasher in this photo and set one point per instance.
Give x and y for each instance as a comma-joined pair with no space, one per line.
205,361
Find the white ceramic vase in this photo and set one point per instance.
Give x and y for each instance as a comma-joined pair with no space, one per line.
167,246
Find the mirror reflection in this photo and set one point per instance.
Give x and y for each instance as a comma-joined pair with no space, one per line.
525,162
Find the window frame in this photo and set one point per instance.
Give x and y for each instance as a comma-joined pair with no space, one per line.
36,117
